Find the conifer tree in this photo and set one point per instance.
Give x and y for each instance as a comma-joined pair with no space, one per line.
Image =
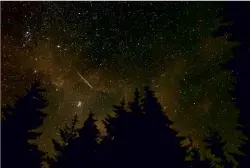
205,100
239,29
141,137
163,145
216,144
67,134
86,145
125,135
114,124
137,132
115,143
80,150
196,161
193,156
135,106
19,124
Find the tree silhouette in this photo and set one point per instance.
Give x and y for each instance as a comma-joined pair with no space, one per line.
114,144
238,15
18,128
244,160
115,124
137,132
78,150
204,91
216,144
141,137
67,134
193,157
163,146
196,161
87,143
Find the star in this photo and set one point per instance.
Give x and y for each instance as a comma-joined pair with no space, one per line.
79,104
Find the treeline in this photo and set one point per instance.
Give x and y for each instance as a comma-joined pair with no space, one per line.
138,135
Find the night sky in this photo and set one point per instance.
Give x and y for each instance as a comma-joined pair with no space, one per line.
91,55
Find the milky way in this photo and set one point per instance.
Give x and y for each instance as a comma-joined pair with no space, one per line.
91,55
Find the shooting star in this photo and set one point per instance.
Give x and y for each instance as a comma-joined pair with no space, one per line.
85,80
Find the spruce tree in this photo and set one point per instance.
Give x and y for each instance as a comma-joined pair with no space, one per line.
135,106
79,147
196,161
19,124
137,132
200,83
163,149
115,144
114,123
87,144
216,144
205,100
140,136
124,142
67,134
193,156
237,14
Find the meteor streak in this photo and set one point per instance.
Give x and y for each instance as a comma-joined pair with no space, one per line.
85,80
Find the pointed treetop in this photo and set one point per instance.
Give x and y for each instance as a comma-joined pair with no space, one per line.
75,119
119,109
123,102
91,114
137,95
147,89
135,105
89,126
35,87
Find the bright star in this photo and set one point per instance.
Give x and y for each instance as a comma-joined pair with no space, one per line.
79,104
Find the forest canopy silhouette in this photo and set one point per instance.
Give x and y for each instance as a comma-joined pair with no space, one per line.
138,134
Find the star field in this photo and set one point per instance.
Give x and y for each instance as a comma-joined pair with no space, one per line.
115,47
